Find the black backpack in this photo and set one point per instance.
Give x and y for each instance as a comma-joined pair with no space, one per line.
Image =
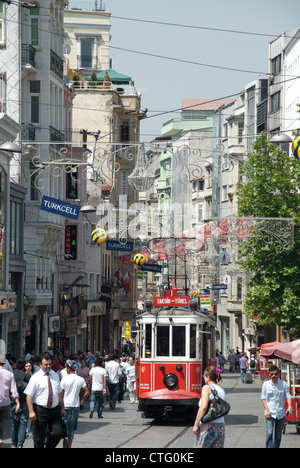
252,363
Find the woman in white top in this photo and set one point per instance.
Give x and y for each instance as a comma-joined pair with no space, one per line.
212,434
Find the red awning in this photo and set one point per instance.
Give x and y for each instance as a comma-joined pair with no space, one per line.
270,345
287,351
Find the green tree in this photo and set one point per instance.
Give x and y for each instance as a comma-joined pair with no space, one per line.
271,189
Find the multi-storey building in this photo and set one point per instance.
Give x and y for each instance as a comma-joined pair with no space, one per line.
106,119
12,265
42,101
284,97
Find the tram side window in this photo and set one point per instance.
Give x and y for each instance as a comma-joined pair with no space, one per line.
163,340
178,341
148,344
193,330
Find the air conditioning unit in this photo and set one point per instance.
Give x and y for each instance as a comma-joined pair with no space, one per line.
54,324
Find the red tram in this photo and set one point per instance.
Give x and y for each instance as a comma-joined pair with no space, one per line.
174,346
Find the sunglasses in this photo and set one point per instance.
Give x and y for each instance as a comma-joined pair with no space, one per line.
273,373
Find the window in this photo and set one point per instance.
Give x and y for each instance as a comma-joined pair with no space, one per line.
178,340
194,115
148,341
2,93
275,102
163,340
71,184
1,23
174,335
125,131
35,102
193,341
34,192
239,289
276,65
240,132
225,193
34,24
86,53
200,213
15,228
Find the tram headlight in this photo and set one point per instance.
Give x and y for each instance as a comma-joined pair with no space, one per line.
170,381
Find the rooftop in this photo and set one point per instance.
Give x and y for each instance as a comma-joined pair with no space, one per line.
87,5
205,104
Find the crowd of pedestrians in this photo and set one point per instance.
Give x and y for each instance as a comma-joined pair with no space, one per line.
238,362
45,393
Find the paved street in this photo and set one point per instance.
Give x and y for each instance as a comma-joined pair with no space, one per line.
124,427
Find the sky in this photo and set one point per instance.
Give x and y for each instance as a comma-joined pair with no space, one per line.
162,82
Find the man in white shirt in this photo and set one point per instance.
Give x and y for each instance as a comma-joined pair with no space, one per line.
114,373
97,379
273,395
71,386
45,404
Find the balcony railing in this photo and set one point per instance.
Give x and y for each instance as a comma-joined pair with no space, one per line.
87,61
28,55
56,65
56,136
28,132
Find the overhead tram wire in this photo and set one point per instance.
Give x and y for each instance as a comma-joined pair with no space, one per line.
190,62
170,58
205,28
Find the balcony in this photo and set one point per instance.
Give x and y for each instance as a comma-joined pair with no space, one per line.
56,65
88,62
28,132
28,58
56,136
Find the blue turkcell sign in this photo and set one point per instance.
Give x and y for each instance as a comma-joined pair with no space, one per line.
219,287
151,267
117,245
59,207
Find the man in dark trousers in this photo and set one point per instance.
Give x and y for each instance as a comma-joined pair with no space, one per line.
45,404
20,418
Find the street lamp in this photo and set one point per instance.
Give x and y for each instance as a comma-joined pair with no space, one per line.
281,138
87,209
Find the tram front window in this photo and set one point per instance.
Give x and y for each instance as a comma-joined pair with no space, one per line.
174,335
178,341
163,341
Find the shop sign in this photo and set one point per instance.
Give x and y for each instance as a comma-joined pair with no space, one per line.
59,207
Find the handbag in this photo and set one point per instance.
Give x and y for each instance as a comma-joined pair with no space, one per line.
217,408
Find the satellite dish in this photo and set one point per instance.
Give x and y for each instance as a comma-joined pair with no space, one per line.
67,49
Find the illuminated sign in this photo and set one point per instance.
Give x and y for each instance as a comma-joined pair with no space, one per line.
71,243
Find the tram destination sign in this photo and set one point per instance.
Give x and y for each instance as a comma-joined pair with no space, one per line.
171,299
